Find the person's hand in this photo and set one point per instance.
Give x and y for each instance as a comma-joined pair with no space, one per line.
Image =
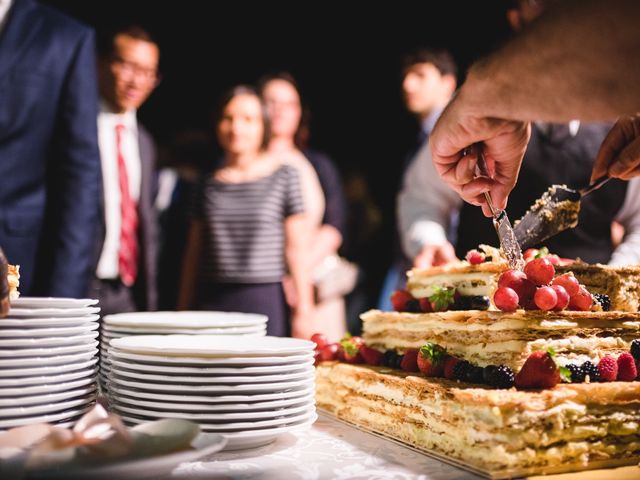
502,141
4,285
435,255
619,154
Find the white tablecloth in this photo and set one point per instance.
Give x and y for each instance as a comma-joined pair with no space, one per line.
328,450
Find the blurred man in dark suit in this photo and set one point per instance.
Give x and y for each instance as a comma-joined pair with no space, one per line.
49,160
125,277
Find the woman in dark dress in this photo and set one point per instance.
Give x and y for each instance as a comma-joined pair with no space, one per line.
248,226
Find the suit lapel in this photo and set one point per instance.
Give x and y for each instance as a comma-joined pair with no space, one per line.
22,25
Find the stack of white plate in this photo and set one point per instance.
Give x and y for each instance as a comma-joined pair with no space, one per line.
48,360
250,389
167,323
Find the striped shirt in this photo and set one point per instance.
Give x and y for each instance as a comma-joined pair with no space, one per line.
244,236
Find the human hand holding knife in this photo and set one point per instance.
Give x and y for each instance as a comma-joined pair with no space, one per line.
508,241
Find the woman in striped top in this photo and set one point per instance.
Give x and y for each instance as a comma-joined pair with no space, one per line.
248,226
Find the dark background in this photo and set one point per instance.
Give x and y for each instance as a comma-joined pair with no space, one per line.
346,56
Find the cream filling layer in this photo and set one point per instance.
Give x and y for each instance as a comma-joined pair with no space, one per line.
476,283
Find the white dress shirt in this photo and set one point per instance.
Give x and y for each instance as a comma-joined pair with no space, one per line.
425,207
5,5
107,120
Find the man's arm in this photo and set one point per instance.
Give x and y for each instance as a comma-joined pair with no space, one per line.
578,60
73,181
424,207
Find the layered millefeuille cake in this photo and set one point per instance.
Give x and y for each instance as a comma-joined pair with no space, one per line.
505,372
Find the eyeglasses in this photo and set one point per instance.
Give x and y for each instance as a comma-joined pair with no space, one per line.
131,69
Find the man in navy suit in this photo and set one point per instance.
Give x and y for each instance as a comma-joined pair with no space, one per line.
49,160
125,277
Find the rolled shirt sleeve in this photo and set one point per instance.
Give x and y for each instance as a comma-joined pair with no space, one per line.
424,205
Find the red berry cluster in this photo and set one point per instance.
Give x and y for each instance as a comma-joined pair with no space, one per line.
350,349
541,371
536,288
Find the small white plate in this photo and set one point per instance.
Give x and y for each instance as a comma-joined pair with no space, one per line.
53,387
298,392
229,418
52,302
309,373
168,369
9,363
210,362
47,369
47,379
52,417
211,407
252,425
51,312
256,438
221,389
250,438
186,331
213,345
49,351
186,319
47,397
48,322
11,413
48,332
42,342
157,466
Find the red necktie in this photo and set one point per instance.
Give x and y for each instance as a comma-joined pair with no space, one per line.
128,254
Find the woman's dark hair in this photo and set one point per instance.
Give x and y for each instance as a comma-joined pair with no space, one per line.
244,90
301,137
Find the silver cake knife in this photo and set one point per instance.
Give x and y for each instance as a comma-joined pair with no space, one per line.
507,237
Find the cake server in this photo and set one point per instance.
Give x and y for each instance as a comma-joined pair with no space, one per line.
555,211
508,240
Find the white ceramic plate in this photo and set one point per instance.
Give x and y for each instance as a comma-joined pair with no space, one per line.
51,312
244,426
169,369
48,322
157,466
52,417
256,438
309,373
199,389
213,345
43,342
52,302
185,319
46,379
211,362
48,332
9,413
217,417
47,397
299,392
9,363
50,388
47,369
49,351
211,407
113,329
